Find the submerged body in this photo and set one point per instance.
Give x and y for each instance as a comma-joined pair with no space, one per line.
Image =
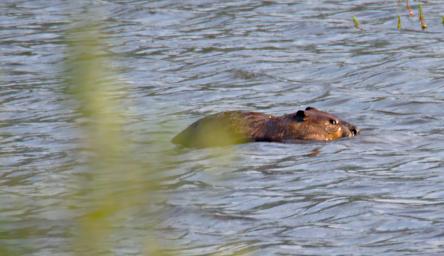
235,127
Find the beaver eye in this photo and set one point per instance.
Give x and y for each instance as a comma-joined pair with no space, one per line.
333,122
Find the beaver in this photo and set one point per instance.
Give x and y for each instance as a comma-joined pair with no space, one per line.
234,127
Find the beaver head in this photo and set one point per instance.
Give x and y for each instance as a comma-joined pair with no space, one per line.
313,124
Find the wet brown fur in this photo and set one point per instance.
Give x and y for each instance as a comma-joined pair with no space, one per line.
239,127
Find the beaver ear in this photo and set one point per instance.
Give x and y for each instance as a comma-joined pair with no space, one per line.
299,116
311,108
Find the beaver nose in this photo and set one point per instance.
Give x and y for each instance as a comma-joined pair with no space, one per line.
354,130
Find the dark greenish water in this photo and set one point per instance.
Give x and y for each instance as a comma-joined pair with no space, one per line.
381,193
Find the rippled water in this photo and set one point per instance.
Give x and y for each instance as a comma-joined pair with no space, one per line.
378,193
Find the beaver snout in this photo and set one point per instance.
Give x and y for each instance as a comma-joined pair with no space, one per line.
349,130
353,130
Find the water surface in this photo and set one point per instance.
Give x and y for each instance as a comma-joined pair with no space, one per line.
378,193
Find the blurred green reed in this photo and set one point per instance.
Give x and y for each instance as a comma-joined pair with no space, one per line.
421,17
356,22
399,23
7,250
116,186
409,8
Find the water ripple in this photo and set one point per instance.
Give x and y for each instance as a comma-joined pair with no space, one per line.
378,193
